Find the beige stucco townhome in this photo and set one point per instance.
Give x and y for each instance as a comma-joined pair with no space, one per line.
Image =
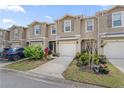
37,34
17,36
4,38
111,32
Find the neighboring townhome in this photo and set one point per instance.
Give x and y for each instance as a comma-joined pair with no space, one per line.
17,36
4,38
37,34
88,33
52,33
111,32
68,40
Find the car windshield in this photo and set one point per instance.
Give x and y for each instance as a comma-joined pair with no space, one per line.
5,49
12,50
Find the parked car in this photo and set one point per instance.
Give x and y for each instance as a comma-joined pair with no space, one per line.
1,50
14,54
4,52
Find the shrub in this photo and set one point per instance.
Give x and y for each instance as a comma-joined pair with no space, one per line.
77,55
34,52
103,70
96,59
102,59
84,59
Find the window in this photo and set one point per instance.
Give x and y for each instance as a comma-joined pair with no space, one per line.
37,30
117,19
89,25
53,29
16,34
67,26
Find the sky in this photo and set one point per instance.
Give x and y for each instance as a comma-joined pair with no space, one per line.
24,15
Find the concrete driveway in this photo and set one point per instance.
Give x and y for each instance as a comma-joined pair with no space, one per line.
119,63
53,68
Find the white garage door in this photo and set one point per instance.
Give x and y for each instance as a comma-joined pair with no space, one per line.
37,43
114,50
67,49
14,45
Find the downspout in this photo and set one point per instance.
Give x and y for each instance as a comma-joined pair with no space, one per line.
98,41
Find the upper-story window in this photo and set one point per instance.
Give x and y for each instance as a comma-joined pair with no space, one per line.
89,25
117,19
37,30
16,34
67,26
53,29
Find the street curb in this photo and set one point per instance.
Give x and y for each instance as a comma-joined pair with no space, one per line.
54,79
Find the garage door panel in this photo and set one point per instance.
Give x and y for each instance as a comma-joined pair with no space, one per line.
36,43
114,50
67,49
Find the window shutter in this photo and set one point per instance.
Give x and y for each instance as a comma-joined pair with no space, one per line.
33,33
62,26
123,19
72,25
40,29
109,20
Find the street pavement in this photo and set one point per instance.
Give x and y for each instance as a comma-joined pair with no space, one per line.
11,79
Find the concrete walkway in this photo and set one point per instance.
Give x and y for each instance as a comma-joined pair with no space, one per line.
53,68
119,63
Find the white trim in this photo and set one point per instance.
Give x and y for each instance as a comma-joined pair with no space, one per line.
122,19
51,30
104,36
68,38
92,25
65,26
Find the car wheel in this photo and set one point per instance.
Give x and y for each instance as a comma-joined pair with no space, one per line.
16,57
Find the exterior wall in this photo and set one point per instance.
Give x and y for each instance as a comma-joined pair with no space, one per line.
89,35
4,40
21,40
41,38
105,22
75,26
50,36
105,26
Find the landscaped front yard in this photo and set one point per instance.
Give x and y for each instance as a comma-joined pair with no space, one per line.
114,79
27,64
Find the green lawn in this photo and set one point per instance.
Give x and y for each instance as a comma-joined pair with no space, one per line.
25,65
114,79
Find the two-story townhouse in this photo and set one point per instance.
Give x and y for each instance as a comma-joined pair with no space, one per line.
111,32
37,34
68,35
17,36
4,38
52,33
88,33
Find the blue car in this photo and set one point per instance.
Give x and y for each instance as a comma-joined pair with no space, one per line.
14,54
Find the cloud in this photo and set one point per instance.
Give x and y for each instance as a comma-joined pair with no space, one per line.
14,8
49,17
8,22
